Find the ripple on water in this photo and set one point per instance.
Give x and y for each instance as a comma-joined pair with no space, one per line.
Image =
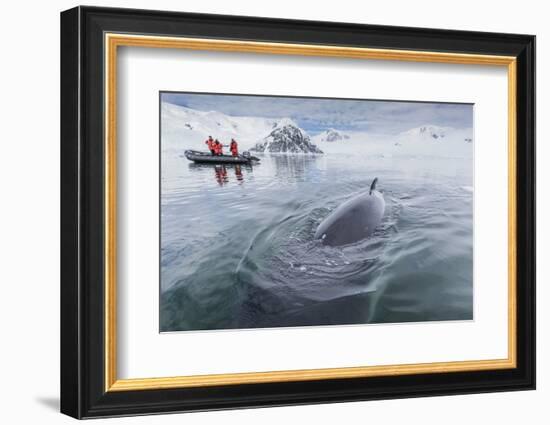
242,255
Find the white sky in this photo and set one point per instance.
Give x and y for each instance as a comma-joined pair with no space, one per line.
317,114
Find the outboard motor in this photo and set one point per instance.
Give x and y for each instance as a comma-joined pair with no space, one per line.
249,157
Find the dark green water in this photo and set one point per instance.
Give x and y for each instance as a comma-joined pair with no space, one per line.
237,248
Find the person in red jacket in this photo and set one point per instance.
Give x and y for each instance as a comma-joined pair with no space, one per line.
218,148
210,143
234,148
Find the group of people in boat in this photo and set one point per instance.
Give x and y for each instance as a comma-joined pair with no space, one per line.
216,147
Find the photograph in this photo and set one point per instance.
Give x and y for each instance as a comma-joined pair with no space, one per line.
286,211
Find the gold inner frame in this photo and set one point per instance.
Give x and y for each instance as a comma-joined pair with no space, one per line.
113,41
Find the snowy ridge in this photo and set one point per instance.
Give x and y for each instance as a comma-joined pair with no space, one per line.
432,131
449,143
431,140
287,137
185,128
330,135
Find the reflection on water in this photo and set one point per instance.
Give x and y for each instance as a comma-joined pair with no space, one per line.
237,248
239,173
221,175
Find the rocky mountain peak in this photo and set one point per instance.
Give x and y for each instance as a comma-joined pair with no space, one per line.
332,135
286,137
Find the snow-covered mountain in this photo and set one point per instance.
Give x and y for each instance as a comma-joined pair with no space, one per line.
428,131
286,137
330,135
436,141
449,143
185,128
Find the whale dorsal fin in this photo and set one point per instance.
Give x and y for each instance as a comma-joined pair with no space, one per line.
373,185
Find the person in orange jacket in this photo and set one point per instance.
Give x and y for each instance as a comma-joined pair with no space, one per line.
218,148
234,148
210,143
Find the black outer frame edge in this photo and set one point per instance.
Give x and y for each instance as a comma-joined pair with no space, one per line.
70,348
526,207
82,365
329,26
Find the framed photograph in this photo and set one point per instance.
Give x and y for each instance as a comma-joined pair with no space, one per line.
261,212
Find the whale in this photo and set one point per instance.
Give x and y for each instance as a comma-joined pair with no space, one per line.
354,220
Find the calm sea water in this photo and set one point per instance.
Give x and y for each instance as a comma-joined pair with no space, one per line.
237,248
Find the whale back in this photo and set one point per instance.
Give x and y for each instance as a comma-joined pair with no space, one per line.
354,220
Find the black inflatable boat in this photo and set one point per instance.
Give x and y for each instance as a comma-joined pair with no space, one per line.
208,158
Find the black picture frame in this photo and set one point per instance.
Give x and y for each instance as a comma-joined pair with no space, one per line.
83,392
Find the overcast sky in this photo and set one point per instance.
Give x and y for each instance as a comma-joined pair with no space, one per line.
315,115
